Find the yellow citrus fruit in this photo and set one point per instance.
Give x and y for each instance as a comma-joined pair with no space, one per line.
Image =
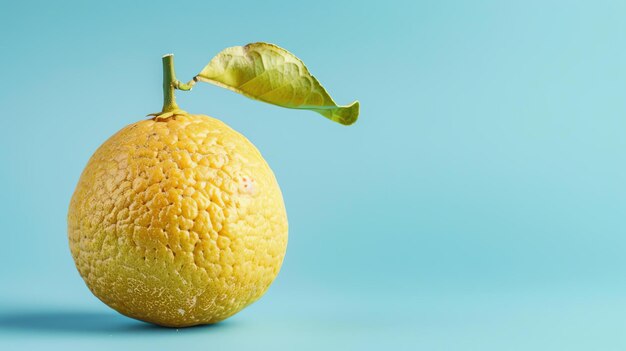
177,221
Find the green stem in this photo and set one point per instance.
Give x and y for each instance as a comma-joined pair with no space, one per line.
169,81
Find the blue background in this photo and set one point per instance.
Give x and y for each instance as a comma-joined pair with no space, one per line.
477,204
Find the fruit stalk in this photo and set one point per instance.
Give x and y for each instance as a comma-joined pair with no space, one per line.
169,79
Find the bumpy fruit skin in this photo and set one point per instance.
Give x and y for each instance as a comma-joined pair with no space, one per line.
177,222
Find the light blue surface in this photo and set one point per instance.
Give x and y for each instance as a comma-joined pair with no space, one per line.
478,204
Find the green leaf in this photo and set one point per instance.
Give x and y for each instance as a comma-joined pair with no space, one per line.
272,74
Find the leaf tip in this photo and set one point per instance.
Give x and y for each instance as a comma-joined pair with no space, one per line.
349,113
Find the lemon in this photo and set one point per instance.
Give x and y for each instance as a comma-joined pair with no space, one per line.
177,221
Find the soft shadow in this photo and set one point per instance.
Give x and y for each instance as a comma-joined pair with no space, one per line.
85,322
